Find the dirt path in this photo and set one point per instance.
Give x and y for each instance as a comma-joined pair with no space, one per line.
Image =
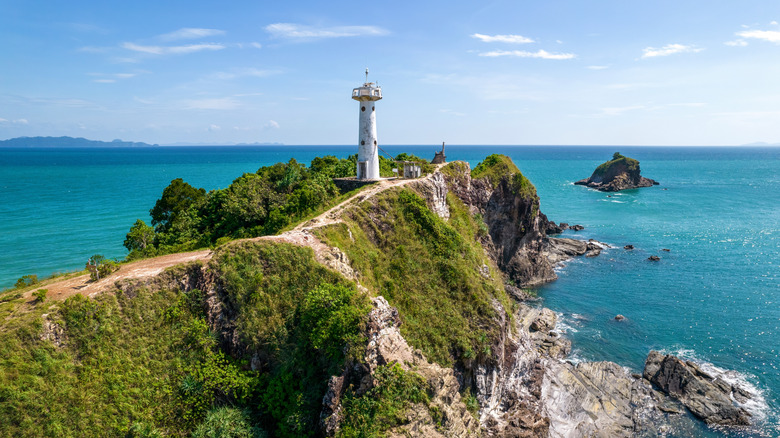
300,235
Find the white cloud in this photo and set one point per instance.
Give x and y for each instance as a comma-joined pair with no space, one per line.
224,103
669,49
104,81
773,23
272,124
2,120
543,54
736,43
256,45
172,50
191,33
597,67
297,31
773,36
21,122
510,39
213,128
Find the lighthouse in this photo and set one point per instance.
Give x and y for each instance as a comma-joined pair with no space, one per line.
368,156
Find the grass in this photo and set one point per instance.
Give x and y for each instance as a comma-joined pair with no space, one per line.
428,268
385,405
300,318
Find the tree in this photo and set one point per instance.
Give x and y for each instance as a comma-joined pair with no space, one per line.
176,199
99,266
616,156
25,281
139,237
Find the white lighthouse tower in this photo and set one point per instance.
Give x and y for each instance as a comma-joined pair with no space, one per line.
368,156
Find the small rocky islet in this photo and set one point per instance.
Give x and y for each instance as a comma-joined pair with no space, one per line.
619,173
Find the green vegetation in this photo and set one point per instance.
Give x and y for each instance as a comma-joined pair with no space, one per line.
304,321
255,204
383,406
631,164
228,422
144,362
99,267
40,295
495,167
26,281
428,268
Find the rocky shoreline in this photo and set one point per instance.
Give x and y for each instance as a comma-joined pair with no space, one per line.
530,388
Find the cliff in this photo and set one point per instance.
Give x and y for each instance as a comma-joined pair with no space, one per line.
620,173
391,314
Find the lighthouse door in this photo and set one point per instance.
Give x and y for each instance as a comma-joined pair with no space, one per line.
362,170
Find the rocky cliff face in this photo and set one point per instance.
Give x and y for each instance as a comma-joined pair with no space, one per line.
516,228
620,173
528,389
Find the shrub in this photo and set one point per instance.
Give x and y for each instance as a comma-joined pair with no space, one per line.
100,267
26,281
227,422
40,295
383,406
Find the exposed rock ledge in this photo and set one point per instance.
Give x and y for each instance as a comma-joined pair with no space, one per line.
707,397
620,173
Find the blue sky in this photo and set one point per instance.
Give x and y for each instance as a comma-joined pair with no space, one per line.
490,72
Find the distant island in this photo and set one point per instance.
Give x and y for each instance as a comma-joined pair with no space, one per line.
68,142
620,173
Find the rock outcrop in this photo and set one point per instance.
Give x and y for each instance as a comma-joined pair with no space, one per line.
620,173
707,397
386,346
509,207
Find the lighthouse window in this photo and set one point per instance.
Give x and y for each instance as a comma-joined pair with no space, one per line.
362,108
374,142
362,142
372,108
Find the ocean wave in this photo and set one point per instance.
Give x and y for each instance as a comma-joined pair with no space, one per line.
565,325
756,405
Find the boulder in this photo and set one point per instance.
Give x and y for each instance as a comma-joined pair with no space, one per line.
628,247
619,317
654,258
706,397
576,227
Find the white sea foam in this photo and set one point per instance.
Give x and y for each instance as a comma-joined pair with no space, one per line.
756,405
564,324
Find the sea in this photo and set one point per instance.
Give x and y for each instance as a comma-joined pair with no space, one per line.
713,297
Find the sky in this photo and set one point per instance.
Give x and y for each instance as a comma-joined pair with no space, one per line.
489,72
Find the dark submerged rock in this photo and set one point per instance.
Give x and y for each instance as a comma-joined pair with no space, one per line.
628,247
654,258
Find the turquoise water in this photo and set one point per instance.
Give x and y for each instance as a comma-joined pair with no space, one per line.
715,297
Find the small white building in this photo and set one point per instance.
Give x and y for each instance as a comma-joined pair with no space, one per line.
412,170
368,146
